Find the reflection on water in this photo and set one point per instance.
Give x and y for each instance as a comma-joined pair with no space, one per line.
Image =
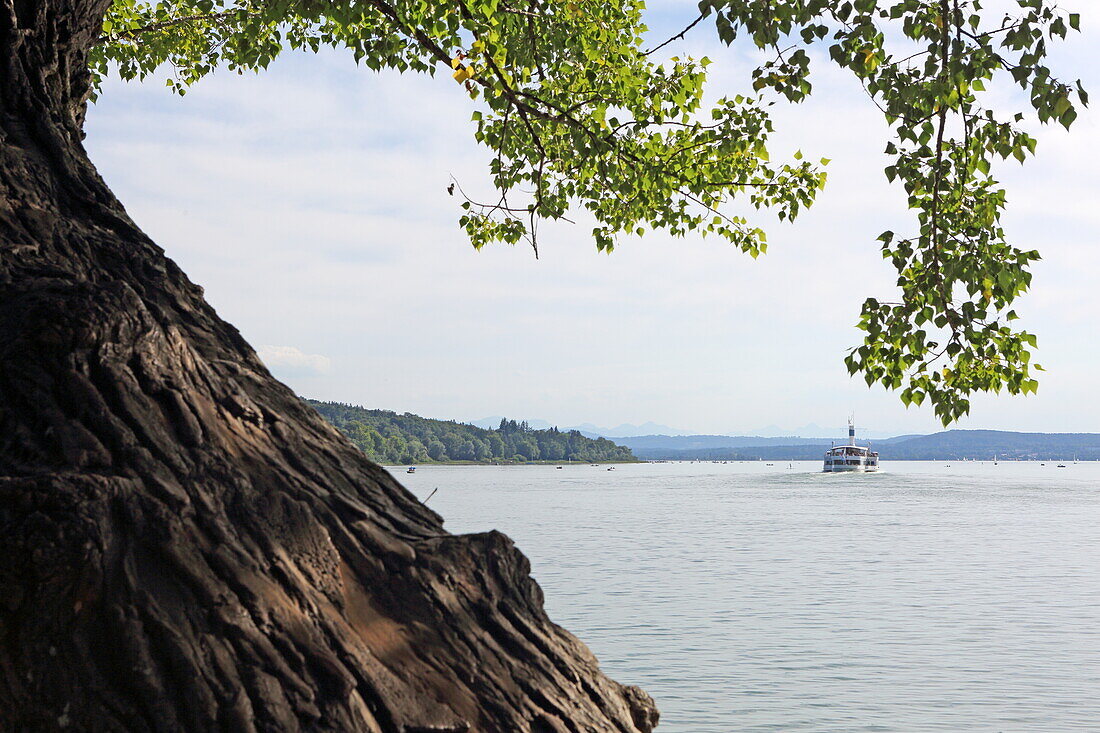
747,597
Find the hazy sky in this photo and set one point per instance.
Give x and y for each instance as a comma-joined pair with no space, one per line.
311,203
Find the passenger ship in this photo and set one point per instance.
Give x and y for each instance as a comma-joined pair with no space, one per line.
850,457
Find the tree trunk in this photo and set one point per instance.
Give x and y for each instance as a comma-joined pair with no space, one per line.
184,545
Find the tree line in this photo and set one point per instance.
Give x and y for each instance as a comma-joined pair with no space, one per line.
387,437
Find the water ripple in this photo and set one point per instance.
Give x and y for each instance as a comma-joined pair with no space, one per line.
749,598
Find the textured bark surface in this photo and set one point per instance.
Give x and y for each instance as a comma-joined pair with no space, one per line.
184,545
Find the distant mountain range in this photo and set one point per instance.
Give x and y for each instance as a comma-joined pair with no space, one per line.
813,430
664,445
947,445
651,441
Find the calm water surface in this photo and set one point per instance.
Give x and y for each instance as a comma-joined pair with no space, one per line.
747,597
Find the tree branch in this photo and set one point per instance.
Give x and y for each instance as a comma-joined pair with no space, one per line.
678,37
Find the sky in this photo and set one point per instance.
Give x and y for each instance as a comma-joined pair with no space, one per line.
310,202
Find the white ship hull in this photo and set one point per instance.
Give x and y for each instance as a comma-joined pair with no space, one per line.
850,469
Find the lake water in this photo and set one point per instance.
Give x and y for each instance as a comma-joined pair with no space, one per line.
747,597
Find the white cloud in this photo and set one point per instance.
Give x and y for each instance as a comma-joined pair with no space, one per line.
288,361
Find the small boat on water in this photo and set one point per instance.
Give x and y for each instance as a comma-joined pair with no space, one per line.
412,469
850,457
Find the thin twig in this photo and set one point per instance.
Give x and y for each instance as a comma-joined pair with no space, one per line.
678,37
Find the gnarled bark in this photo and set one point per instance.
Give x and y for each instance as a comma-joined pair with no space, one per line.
184,545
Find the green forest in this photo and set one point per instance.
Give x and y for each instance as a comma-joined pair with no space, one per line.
387,437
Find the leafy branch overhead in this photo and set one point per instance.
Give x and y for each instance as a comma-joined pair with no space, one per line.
580,116
575,111
927,64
